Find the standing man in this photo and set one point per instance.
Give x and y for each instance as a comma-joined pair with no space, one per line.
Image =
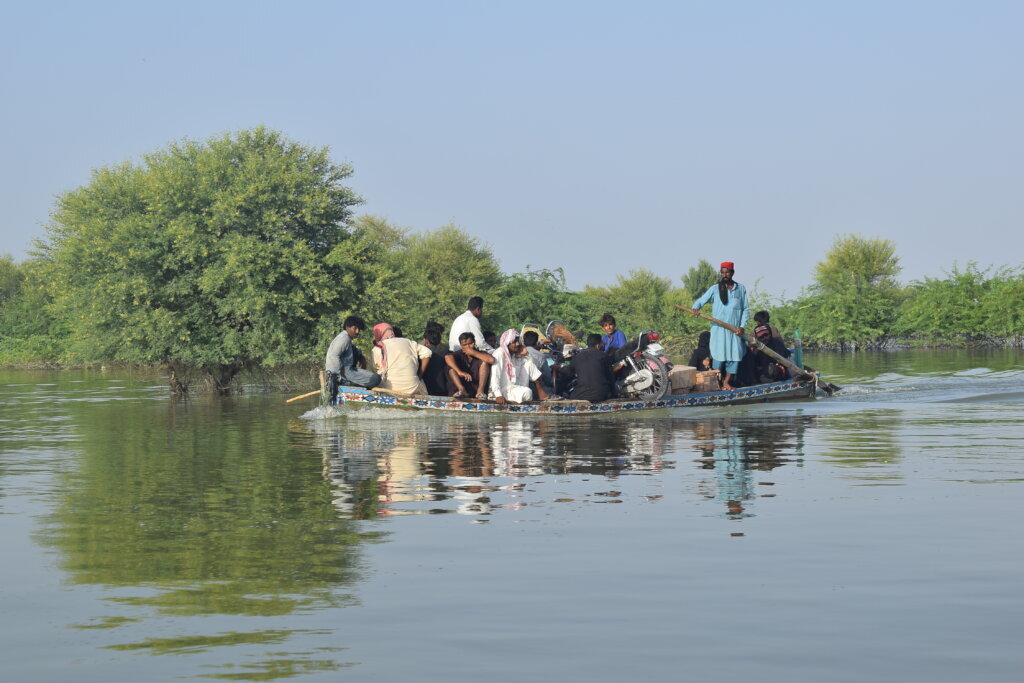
729,304
469,322
343,357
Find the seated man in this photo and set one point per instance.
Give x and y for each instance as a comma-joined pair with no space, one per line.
590,373
531,340
401,362
468,369
436,376
613,338
701,356
512,373
343,357
766,368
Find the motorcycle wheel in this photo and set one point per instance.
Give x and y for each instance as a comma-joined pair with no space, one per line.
660,384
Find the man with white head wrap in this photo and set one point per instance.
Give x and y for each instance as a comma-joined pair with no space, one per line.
513,372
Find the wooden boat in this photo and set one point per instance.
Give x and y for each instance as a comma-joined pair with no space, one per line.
791,389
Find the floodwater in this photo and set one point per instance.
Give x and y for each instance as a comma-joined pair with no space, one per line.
872,536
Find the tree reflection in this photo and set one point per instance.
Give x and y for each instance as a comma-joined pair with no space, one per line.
867,443
199,508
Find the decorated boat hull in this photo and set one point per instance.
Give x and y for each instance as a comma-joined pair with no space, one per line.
762,393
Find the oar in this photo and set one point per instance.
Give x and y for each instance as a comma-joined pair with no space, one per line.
827,387
296,398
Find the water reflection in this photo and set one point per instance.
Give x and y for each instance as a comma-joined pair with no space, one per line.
867,443
733,449
472,467
381,468
198,508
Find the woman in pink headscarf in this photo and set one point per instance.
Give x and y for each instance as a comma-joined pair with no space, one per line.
400,362
513,372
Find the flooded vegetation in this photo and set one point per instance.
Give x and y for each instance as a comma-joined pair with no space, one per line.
869,536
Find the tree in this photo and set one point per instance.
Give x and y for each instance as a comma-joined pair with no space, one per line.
948,308
29,332
11,278
698,278
855,296
540,296
864,261
439,271
213,255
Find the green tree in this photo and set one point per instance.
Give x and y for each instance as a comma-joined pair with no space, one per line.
698,278
1003,306
540,296
637,301
214,255
11,278
29,332
855,297
438,271
950,308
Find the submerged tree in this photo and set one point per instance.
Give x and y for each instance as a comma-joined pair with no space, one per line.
211,255
855,296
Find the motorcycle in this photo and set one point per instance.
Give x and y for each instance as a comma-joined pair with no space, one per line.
641,368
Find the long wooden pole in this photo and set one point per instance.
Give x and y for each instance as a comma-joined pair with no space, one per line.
827,387
296,398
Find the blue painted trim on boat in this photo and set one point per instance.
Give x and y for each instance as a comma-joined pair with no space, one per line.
786,390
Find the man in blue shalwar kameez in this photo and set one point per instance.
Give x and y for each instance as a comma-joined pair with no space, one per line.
729,304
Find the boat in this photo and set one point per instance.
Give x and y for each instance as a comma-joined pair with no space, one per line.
786,390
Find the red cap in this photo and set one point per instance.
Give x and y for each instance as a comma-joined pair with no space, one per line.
728,264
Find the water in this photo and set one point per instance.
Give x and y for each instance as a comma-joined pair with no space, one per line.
873,536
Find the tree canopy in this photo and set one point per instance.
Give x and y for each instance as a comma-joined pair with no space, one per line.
215,255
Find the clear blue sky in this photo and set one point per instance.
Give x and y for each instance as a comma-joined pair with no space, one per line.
595,136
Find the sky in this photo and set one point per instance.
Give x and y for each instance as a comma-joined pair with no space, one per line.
596,137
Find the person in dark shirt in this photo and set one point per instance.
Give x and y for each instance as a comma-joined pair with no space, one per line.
701,356
469,369
436,375
766,368
592,370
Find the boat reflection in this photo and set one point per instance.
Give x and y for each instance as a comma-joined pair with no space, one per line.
476,467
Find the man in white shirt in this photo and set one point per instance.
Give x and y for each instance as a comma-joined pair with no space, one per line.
513,373
469,322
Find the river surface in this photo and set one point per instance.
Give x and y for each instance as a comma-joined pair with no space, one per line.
872,536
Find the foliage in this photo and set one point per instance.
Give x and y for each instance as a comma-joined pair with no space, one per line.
216,255
865,261
11,278
539,296
29,332
965,306
442,269
698,278
855,297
